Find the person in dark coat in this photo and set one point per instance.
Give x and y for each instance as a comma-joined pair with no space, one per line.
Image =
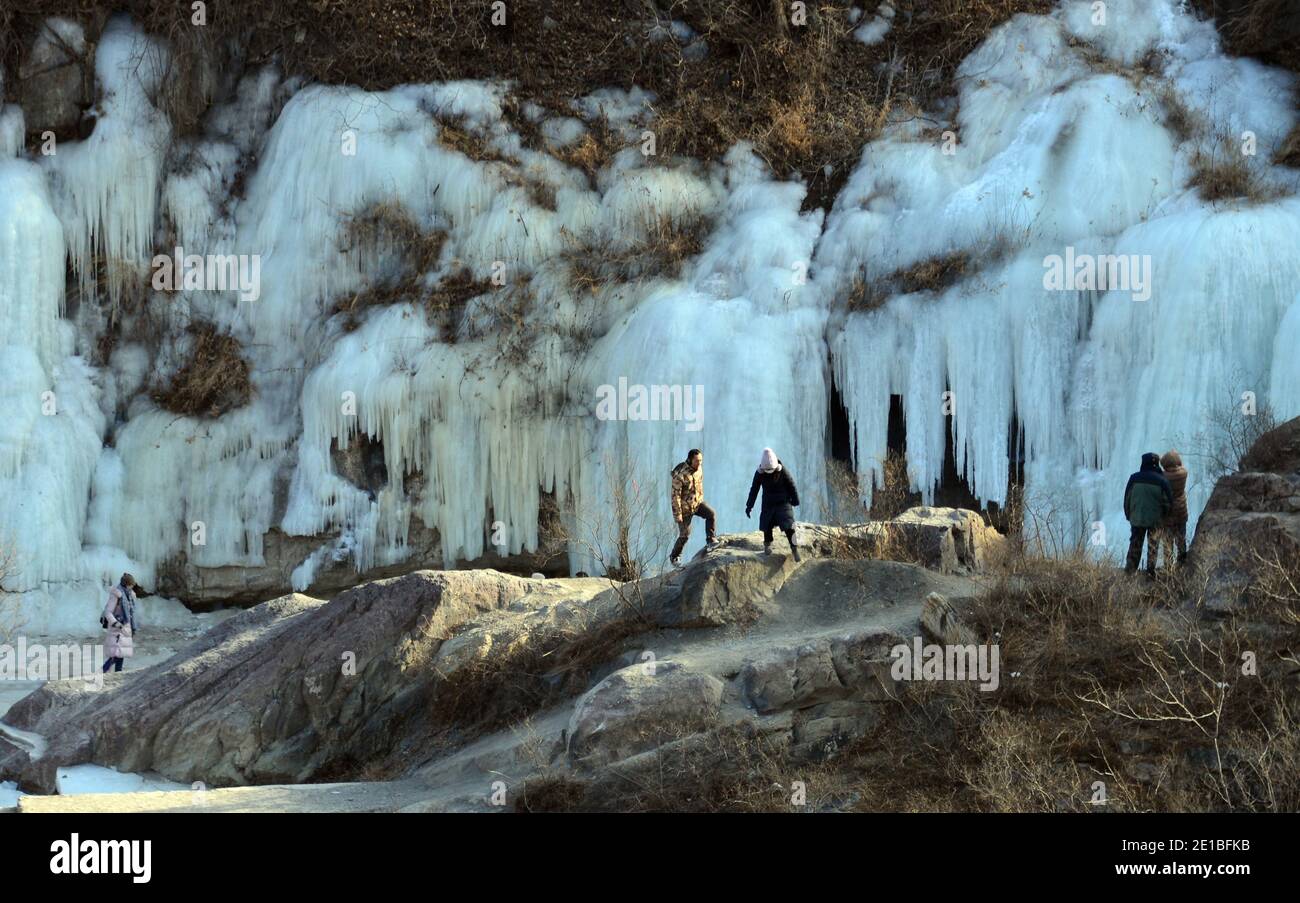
780,497
1147,499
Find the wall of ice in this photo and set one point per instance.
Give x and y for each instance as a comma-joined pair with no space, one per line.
1057,148
1056,141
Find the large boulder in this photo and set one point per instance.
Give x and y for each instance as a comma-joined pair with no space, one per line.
206,588
641,707
948,539
1247,542
724,587
854,666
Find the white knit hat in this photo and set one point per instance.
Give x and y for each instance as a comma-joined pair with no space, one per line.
768,462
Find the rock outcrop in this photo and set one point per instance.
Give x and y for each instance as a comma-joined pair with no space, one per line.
456,680
949,540
1248,537
56,80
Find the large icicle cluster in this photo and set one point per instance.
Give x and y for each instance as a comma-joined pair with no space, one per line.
1053,153
1059,143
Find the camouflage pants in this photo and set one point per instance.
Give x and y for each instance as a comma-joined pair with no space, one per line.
1151,535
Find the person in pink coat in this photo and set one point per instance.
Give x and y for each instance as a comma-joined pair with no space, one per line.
119,622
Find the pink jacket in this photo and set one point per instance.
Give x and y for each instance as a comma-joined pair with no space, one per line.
117,642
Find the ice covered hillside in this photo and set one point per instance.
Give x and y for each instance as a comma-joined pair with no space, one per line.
428,294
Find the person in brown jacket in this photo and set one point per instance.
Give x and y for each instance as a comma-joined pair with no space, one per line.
688,502
1173,531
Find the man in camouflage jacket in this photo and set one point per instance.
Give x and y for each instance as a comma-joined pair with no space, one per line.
688,502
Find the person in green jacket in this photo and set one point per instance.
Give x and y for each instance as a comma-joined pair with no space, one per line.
1147,499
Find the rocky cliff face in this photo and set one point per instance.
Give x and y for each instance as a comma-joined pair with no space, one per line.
1248,539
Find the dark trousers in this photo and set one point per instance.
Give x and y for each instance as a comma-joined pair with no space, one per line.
1151,535
684,528
114,663
1173,537
781,517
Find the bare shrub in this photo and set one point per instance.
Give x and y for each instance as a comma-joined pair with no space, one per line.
10,614
625,540
1229,435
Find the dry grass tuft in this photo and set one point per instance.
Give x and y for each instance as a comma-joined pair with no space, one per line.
1179,119
213,381
1220,177
934,274
661,251
389,242
1289,153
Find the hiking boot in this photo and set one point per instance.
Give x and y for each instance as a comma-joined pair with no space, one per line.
767,548
676,563
794,550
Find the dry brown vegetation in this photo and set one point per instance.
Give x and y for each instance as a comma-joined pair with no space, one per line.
806,95
1223,177
593,151
212,381
1289,153
1265,29
934,274
1115,696
387,240
1179,119
665,244
1231,440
